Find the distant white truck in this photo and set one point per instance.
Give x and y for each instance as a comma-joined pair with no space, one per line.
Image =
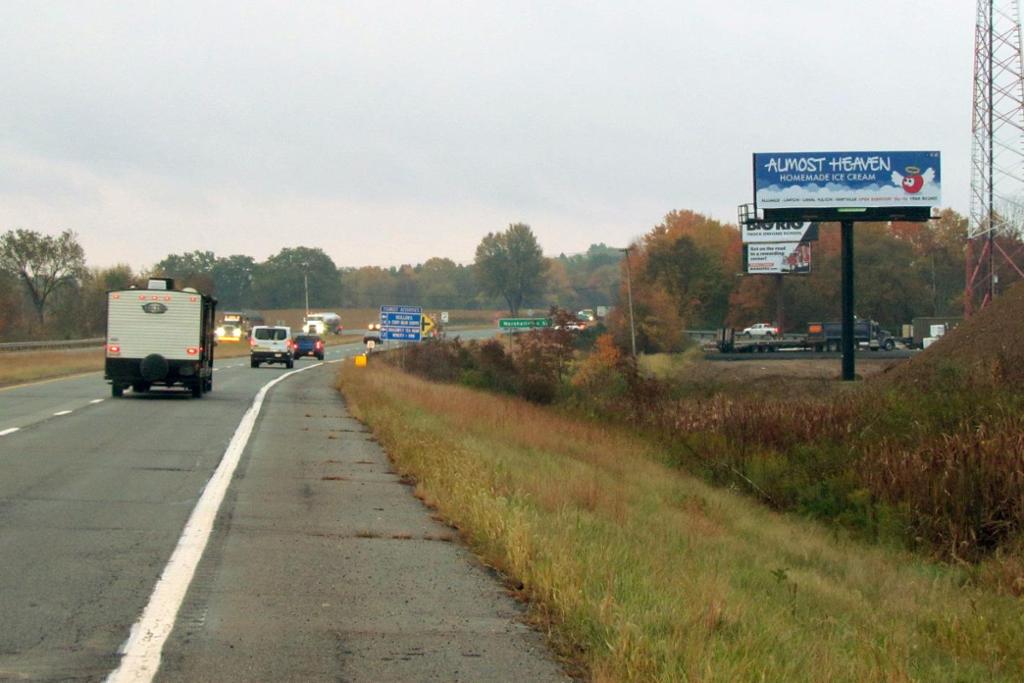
322,323
159,336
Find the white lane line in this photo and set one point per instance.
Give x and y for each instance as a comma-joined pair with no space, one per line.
96,400
141,653
63,412
9,430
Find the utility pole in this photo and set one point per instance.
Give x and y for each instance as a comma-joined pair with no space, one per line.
629,294
305,284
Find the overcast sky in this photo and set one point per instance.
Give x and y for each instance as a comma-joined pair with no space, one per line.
389,132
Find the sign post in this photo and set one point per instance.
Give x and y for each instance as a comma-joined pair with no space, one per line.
849,373
847,187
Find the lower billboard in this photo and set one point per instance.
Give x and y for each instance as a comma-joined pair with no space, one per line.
778,258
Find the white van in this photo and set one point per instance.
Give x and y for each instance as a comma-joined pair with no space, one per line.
271,344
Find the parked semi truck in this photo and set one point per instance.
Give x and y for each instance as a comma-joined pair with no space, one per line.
829,336
159,336
819,337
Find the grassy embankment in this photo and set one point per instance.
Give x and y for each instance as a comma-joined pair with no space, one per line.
644,572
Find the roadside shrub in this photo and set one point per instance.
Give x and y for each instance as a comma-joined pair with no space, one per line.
497,369
432,359
538,388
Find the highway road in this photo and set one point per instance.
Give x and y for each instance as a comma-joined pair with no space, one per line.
317,564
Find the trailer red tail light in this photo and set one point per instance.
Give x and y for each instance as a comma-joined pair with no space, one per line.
192,351
113,349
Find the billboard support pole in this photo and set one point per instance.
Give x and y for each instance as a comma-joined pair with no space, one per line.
848,344
778,302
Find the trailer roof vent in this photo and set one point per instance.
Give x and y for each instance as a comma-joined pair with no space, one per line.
190,290
160,283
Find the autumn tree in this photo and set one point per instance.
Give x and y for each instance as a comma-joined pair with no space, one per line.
191,269
280,281
42,263
510,265
695,260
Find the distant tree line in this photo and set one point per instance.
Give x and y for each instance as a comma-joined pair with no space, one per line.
47,291
685,275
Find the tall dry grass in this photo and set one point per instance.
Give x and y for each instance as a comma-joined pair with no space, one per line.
20,367
646,573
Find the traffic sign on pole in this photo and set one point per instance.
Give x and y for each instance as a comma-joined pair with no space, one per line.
401,323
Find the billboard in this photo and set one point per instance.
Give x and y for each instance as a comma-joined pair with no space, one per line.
780,231
778,258
812,183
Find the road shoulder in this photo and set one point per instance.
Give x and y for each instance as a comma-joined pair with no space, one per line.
324,566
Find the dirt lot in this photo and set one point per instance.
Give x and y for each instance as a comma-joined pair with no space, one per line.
804,368
816,375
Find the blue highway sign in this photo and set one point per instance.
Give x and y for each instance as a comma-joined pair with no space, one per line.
401,323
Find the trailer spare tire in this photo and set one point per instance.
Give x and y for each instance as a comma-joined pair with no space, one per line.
154,367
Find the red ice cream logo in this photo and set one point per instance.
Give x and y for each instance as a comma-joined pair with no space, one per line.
914,180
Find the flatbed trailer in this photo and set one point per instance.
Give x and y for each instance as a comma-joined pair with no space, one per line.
820,337
730,342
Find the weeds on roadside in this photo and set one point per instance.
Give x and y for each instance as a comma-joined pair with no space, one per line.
937,466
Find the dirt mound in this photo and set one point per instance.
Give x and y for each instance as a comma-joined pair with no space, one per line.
987,349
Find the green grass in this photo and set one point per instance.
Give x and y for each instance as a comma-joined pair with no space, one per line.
642,572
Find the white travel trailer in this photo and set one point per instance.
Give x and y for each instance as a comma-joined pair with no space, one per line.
159,336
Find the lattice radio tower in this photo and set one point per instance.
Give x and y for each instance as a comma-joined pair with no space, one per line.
997,151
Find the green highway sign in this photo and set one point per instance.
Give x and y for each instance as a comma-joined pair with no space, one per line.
521,323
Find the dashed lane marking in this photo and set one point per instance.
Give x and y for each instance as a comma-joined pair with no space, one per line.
9,430
96,400
62,412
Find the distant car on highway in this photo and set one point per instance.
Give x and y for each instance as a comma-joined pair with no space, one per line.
271,344
308,345
761,330
372,333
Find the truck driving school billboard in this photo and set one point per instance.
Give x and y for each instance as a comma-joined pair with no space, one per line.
779,258
834,180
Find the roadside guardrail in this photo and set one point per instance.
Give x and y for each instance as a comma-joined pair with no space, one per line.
51,345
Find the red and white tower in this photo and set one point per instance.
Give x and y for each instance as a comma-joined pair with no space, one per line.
997,152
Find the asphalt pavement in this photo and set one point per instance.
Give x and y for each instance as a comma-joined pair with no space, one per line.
95,493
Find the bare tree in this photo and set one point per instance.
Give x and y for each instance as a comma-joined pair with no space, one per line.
43,263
